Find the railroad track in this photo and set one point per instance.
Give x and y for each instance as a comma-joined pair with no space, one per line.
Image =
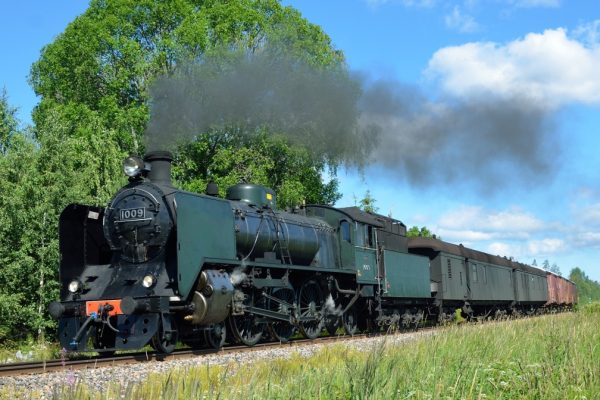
15,369
25,368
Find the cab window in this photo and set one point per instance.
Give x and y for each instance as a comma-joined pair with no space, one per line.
359,239
345,230
370,237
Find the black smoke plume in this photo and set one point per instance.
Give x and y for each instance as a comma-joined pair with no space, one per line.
345,117
241,93
487,141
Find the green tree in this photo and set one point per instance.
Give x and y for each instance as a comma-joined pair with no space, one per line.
37,180
93,82
102,66
263,159
546,265
415,231
8,122
367,203
555,269
588,290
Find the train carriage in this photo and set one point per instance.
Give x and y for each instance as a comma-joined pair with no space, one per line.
562,293
478,283
531,290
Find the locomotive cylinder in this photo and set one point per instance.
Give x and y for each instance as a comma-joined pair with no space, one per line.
212,298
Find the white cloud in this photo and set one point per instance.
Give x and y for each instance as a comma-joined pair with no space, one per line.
502,249
468,217
586,239
589,33
548,67
463,236
462,22
590,215
528,250
509,233
546,246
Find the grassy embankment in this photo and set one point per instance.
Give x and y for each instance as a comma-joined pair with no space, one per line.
550,357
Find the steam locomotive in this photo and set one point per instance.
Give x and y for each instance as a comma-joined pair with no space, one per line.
160,266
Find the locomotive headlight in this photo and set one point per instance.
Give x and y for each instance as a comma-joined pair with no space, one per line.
74,286
148,281
133,166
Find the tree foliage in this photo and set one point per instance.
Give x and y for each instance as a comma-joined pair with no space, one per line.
415,231
37,180
106,60
554,268
104,63
588,290
227,160
367,203
8,122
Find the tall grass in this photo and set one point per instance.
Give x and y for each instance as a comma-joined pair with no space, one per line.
551,357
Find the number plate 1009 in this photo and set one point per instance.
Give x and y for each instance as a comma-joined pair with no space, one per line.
133,213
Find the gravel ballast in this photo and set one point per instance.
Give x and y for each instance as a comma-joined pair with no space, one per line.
42,386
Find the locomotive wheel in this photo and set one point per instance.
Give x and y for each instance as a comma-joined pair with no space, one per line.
281,330
215,335
350,321
310,301
246,329
165,342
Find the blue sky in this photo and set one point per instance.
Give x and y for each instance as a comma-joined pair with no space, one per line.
547,51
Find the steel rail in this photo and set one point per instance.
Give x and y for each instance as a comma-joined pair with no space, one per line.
39,367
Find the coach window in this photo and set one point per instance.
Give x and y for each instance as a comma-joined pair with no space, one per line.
474,273
345,231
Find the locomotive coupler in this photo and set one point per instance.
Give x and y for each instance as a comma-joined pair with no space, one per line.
102,315
105,317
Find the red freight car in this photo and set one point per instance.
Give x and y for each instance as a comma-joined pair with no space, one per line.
562,293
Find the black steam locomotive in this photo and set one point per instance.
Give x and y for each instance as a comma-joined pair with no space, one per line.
162,266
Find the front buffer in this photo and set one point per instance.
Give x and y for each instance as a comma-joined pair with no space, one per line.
110,325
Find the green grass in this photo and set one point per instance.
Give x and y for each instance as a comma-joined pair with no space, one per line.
550,357
32,350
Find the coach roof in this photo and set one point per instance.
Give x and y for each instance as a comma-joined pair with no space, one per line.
471,254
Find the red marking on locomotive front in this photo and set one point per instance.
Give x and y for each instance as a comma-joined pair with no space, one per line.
94,307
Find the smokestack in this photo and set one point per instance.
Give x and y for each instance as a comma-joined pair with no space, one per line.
160,166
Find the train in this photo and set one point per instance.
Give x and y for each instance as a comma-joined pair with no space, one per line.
161,266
